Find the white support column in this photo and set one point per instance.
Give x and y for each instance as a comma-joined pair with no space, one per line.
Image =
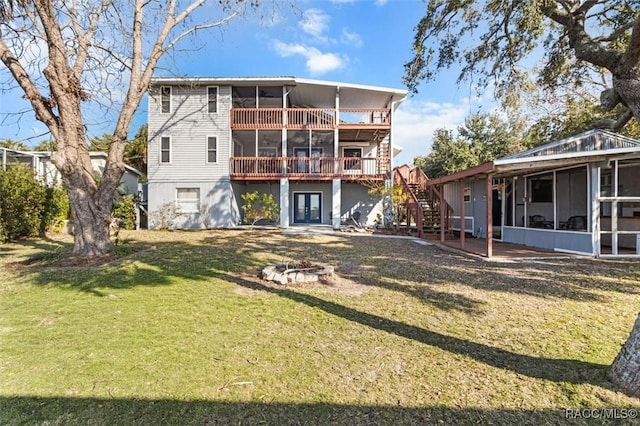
284,203
335,204
391,138
595,209
336,137
614,210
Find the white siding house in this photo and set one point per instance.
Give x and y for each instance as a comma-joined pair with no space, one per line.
314,145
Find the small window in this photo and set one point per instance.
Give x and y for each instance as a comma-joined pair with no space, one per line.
165,149
165,92
212,149
188,200
212,100
466,194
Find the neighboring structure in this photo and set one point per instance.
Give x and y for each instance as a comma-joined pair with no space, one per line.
314,145
577,195
47,172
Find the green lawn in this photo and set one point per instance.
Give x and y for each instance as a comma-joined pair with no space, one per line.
186,334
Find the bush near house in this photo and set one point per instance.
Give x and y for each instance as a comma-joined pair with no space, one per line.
56,209
22,203
259,207
29,208
124,210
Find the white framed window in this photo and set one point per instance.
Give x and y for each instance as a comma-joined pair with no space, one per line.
212,99
188,200
352,158
165,99
212,149
165,149
466,194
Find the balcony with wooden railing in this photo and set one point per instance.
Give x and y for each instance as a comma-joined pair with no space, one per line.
308,168
310,118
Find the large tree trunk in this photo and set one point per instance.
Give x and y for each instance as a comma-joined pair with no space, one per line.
91,222
625,370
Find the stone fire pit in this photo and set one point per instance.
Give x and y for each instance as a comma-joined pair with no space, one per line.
296,272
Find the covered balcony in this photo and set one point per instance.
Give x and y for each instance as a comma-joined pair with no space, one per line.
309,168
311,118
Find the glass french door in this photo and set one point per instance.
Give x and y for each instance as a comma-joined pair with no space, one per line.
307,207
308,163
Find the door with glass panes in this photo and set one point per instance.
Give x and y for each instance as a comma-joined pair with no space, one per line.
307,207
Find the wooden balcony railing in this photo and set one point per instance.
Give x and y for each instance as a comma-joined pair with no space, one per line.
308,168
309,118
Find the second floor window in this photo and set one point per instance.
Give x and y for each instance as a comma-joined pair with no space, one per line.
353,155
212,100
165,95
212,149
165,149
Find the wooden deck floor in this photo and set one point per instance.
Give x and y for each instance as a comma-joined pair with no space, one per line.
500,250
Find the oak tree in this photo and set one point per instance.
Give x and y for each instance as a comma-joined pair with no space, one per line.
68,57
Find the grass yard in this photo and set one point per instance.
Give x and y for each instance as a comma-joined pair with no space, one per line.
408,334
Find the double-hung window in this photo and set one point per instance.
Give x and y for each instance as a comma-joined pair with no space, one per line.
165,149
212,99
212,149
188,200
165,99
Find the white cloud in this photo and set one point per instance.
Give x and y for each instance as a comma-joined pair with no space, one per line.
315,22
317,62
380,2
416,121
351,39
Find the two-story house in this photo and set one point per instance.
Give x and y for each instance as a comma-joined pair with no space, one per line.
316,146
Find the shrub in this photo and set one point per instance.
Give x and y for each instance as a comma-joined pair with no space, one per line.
258,207
22,203
163,217
56,209
124,211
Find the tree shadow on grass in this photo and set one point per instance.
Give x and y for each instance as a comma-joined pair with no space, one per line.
44,245
399,266
556,370
121,411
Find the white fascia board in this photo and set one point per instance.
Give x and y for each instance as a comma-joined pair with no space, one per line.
336,84
221,80
586,154
271,80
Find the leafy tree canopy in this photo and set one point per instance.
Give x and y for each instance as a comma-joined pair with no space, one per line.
483,137
11,144
491,39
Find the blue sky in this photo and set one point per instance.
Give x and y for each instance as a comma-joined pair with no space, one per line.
353,41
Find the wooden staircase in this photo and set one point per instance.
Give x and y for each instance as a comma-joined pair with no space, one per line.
425,206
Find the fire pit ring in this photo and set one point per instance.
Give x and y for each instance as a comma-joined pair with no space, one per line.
296,272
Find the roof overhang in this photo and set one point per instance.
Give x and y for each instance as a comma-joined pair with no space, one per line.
472,173
518,166
316,93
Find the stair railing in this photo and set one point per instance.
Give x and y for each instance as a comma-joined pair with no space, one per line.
413,206
416,176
